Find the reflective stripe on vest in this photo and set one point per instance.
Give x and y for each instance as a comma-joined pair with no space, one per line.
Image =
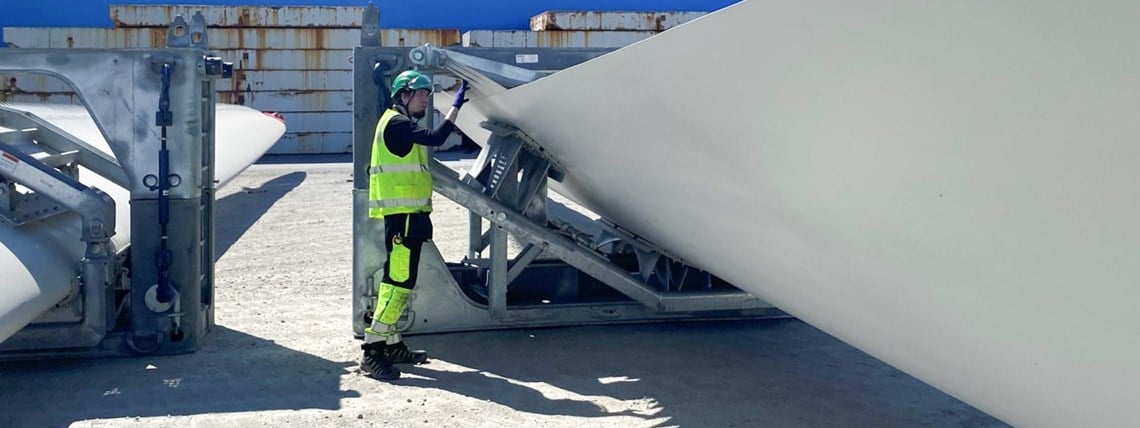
398,168
390,203
397,184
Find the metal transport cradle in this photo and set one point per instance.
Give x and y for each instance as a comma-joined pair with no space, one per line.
106,211
570,271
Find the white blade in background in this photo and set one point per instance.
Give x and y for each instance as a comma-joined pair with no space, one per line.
949,186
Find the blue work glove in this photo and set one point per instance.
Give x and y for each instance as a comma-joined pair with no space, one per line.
461,96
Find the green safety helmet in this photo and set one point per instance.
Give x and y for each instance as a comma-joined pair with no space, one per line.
410,80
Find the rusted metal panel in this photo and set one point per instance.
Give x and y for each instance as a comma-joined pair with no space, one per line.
312,88
290,100
222,38
240,16
23,37
310,122
313,142
259,80
33,83
610,21
398,38
39,97
303,59
553,39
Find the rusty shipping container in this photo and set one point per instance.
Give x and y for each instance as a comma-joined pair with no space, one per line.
306,59
323,121
299,80
33,84
240,16
38,97
313,142
303,73
553,39
610,21
289,100
222,38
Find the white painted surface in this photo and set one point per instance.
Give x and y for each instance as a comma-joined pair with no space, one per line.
40,259
949,186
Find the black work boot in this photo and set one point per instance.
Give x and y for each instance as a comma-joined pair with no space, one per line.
375,363
400,354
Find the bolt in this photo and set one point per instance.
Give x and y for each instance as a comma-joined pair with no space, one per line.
97,228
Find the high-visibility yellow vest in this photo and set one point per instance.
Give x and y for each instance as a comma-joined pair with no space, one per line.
397,185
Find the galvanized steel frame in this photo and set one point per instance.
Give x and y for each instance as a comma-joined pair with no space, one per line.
121,88
97,212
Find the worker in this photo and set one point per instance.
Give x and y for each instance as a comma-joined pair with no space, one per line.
399,192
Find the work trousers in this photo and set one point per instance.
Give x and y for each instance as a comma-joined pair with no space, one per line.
408,231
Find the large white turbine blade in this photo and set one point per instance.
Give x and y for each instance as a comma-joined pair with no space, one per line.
949,186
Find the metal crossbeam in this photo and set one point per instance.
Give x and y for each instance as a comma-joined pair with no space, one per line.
48,135
593,264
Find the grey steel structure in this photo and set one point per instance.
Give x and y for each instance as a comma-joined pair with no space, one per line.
155,108
563,276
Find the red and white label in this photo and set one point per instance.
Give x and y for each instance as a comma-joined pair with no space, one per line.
8,161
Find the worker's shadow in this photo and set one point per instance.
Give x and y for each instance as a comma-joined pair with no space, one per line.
742,373
538,376
237,212
232,372
491,387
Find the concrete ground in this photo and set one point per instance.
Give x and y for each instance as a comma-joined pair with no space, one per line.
283,353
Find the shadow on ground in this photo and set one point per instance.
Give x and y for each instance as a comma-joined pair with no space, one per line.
237,212
233,372
734,373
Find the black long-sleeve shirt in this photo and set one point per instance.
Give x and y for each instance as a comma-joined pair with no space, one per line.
402,132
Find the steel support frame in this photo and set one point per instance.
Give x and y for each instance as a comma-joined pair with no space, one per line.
48,135
507,186
121,89
374,66
97,213
586,260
